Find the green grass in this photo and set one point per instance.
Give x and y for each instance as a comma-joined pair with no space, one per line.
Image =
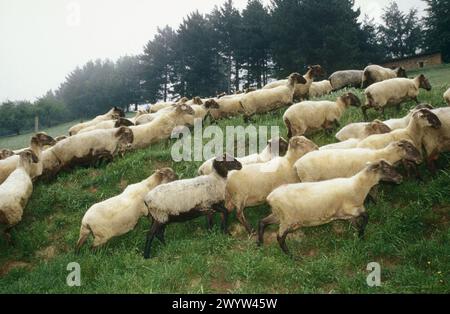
408,234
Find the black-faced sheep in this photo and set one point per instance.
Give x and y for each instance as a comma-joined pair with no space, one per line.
375,73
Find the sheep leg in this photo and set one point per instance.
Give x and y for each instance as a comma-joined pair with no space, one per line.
224,216
373,194
150,236
269,220
209,221
364,111
362,221
160,234
241,217
431,162
282,241
410,167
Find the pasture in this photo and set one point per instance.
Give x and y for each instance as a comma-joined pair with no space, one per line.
408,233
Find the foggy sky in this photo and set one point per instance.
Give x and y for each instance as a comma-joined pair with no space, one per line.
42,41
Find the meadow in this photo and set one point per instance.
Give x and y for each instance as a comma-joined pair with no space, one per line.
408,233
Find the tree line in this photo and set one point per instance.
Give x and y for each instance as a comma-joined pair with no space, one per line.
228,50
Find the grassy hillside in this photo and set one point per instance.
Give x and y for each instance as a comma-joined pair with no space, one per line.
408,234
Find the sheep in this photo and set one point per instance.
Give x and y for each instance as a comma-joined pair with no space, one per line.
375,73
162,127
110,124
162,105
393,92
120,214
202,111
420,120
316,203
16,190
321,88
301,89
38,141
437,141
266,155
186,199
86,149
361,130
113,114
447,96
343,163
347,78
402,123
60,138
265,100
5,153
250,186
229,106
312,115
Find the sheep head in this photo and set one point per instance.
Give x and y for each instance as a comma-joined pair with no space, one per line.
423,106
42,139
123,122
226,163
316,70
5,153
166,175
351,99
300,145
377,127
118,112
125,138
426,118
183,109
424,83
211,104
401,72
27,157
296,78
385,171
281,144
408,151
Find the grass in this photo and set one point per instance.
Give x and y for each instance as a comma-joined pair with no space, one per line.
408,234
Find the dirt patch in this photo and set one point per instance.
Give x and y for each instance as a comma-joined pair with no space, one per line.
47,253
93,190
10,265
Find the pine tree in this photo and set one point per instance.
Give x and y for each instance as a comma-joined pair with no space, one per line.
438,27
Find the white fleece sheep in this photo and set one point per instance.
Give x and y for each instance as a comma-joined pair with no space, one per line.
343,163
414,132
346,78
113,114
361,130
186,199
16,190
38,141
321,88
313,115
265,100
110,124
375,73
447,96
229,106
120,214
266,155
316,203
393,92
437,140
302,88
251,185
161,128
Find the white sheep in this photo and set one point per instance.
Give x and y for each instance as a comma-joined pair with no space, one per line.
402,123
186,199
343,163
113,114
265,100
162,127
361,130
447,96
313,115
317,203
38,141
414,132
393,92
375,73
321,88
120,214
437,140
16,190
277,144
346,78
110,124
229,106
251,185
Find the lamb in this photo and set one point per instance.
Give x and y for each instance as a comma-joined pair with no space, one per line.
110,124
420,120
447,96
186,199
393,92
38,141
113,114
343,163
436,141
265,100
161,128
86,149
120,214
317,203
312,115
5,153
361,130
321,88
16,190
302,89
266,155
375,73
347,78
250,186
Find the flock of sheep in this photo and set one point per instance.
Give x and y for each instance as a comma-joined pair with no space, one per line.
305,185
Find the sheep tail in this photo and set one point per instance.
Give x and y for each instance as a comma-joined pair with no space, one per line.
289,127
85,231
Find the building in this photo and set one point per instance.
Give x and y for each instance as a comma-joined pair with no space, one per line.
415,62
